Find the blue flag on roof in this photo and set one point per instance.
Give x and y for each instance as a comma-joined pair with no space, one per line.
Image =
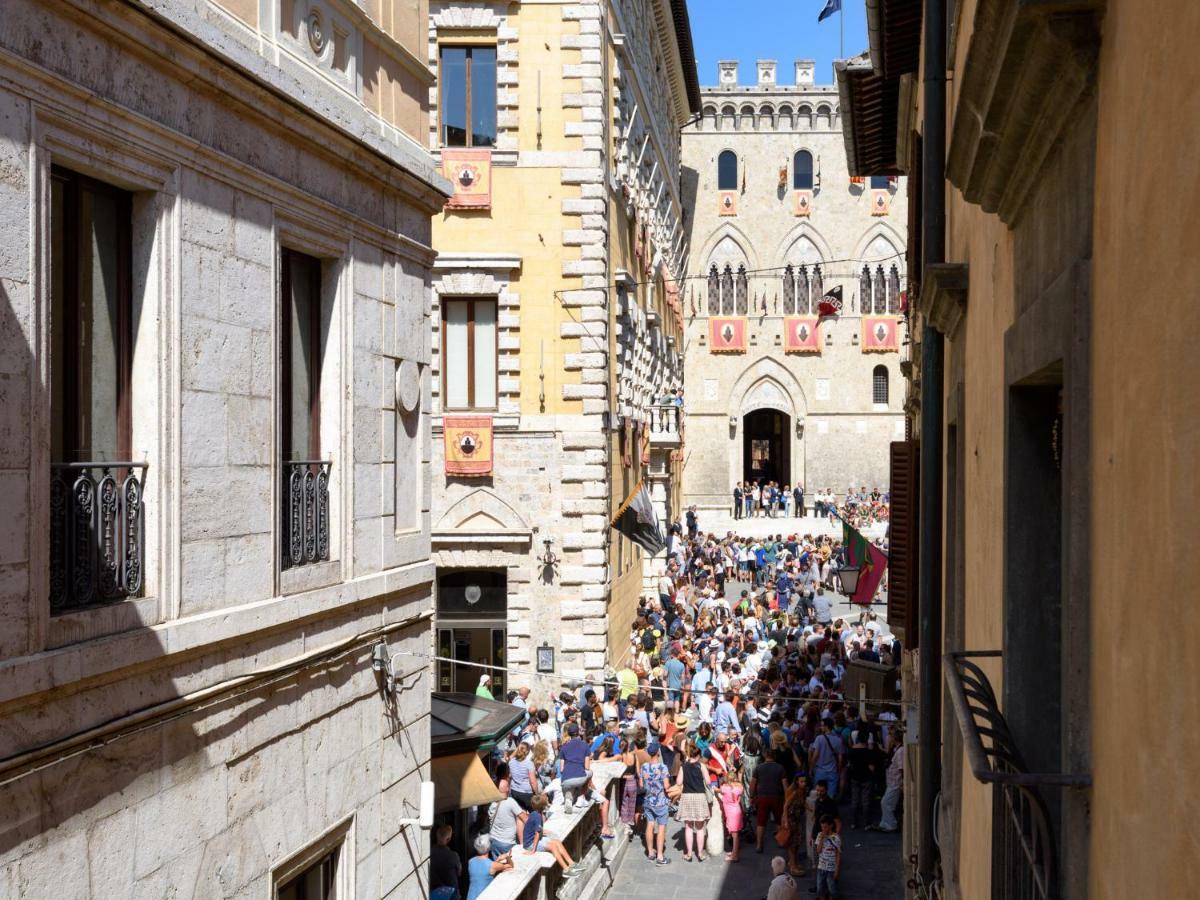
831,7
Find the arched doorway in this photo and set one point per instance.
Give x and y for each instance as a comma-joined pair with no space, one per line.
766,446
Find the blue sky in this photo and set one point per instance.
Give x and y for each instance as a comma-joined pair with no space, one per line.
784,30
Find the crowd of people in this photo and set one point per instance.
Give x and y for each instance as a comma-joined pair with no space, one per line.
728,716
767,499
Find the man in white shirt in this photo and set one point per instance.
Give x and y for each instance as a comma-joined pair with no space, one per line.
823,609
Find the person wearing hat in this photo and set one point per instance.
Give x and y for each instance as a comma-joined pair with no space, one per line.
483,690
654,778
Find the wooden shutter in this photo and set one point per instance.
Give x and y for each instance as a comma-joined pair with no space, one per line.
902,546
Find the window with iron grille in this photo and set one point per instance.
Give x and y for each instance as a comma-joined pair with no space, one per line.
879,385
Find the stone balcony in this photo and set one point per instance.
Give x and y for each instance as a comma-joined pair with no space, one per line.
666,426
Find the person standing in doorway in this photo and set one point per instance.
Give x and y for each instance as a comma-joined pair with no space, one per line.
738,496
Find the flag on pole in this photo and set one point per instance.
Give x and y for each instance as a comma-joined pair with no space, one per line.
869,559
831,303
831,7
637,520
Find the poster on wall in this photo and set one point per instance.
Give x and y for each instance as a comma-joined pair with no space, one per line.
470,171
468,443
727,335
880,334
800,334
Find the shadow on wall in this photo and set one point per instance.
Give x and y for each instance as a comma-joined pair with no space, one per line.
689,187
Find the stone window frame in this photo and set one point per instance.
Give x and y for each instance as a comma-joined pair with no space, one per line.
334,252
453,23
153,180
466,278
339,837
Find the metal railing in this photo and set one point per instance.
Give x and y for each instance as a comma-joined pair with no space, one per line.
1023,843
97,544
305,512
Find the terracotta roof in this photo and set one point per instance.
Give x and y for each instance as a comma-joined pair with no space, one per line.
894,32
870,106
687,53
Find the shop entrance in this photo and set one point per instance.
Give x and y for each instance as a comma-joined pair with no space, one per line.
766,450
472,609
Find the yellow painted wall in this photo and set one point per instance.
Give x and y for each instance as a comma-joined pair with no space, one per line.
526,216
1146,432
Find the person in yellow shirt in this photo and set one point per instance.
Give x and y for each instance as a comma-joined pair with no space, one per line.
627,685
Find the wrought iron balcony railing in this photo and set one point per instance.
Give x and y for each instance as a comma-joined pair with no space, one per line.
1025,845
305,512
96,533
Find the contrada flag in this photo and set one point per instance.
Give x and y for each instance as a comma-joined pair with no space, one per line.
831,303
727,335
800,335
880,334
869,559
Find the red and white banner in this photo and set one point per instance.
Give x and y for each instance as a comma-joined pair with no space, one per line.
470,171
803,203
727,335
728,203
880,334
881,203
468,445
801,334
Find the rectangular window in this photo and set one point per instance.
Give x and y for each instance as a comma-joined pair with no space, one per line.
469,354
467,76
317,882
91,316
302,352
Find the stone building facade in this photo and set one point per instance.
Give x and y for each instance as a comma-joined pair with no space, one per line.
777,222
555,318
214,396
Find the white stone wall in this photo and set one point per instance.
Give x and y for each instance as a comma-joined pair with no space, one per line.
845,434
210,803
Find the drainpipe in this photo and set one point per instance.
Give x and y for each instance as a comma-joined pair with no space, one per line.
933,243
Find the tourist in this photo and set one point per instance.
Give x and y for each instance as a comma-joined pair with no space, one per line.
694,809
829,859
731,808
783,886
738,496
484,689
522,775
767,789
507,818
482,868
534,841
895,783
445,868
655,780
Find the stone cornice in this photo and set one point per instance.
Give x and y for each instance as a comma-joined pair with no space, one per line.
1028,67
943,300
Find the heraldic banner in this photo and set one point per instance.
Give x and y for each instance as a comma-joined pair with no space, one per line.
727,203
881,203
468,445
800,335
470,171
880,334
726,335
803,203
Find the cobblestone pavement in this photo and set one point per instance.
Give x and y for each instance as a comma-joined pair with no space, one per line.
871,870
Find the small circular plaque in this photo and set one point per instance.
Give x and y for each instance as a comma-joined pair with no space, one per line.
472,593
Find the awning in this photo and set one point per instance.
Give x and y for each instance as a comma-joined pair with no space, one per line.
461,781
463,722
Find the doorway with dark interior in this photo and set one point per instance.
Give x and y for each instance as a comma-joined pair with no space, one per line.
766,450
471,623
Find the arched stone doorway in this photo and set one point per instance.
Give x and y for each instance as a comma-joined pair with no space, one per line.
766,446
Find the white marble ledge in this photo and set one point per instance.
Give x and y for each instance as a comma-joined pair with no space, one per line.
559,824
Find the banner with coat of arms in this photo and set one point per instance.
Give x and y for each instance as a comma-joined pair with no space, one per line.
801,334
470,171
881,203
803,203
880,334
727,335
728,203
468,442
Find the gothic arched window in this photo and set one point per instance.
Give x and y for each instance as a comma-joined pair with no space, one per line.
714,291
727,291
817,290
802,171
893,291
880,292
802,290
741,291
727,165
864,291
789,291
879,385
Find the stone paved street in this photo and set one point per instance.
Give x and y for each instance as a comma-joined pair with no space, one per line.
871,869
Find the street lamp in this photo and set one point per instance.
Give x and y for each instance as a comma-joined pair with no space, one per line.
848,580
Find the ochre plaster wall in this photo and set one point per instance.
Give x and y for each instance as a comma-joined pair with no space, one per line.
1146,435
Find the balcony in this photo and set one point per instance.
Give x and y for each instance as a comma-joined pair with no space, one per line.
305,526
1023,837
666,425
97,545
